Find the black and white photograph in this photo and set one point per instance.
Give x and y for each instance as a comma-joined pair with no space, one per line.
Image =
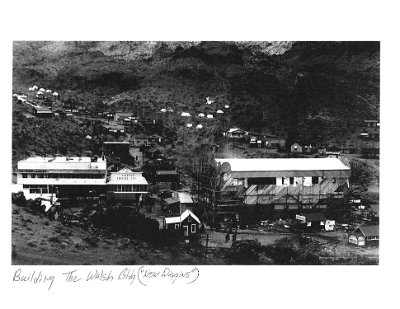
207,154
195,152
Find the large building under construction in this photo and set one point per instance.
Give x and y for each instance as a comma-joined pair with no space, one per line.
275,184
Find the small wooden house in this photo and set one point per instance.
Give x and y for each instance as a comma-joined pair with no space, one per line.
42,111
296,148
364,235
187,222
236,133
312,221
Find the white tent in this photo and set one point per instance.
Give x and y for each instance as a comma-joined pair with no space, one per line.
39,92
209,116
163,110
42,90
226,106
199,126
170,110
48,91
220,111
31,89
201,115
35,88
189,125
15,95
55,94
184,114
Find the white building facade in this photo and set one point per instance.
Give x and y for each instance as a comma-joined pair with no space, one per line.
45,177
127,185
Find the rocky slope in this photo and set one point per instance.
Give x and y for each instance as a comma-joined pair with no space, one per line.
307,91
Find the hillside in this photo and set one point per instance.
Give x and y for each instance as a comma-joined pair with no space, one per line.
305,91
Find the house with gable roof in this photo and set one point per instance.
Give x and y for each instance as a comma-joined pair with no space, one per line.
188,222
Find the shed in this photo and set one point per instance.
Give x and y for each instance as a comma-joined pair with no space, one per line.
167,176
42,111
314,220
185,199
364,235
171,205
236,132
296,148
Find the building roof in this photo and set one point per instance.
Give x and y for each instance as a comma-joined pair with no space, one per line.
188,213
167,172
368,230
171,200
40,109
114,127
182,217
62,163
184,197
127,177
237,131
171,220
285,164
116,143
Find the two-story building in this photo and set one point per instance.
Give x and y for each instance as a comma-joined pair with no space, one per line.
127,186
51,177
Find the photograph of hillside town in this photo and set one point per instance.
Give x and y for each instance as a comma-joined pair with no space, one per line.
195,153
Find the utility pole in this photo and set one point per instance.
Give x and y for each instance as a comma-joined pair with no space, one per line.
205,253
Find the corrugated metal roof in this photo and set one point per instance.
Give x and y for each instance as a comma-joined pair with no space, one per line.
285,164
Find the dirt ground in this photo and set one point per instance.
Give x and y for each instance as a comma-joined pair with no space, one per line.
39,241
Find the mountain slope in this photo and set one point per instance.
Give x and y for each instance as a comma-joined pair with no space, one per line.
307,91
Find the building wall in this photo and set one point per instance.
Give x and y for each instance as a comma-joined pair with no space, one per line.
125,196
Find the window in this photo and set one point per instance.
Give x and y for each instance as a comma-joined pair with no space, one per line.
126,188
24,176
176,226
189,219
291,180
193,228
315,180
285,181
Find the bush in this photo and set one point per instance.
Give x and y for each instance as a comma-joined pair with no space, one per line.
126,221
18,198
245,252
